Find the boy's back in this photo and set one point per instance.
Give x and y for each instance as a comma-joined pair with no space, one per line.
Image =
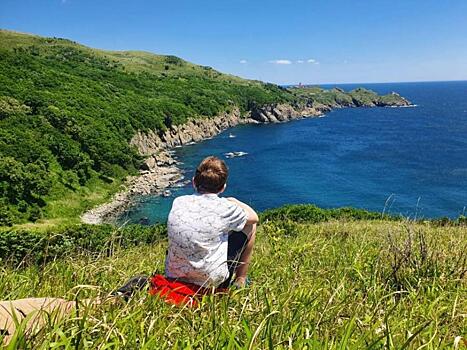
198,229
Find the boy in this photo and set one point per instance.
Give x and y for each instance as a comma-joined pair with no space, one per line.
210,238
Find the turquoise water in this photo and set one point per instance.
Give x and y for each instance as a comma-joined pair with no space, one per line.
409,161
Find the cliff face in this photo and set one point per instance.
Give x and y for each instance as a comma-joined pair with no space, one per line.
150,143
194,130
285,112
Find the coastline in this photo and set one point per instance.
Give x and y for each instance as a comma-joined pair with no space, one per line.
153,181
160,171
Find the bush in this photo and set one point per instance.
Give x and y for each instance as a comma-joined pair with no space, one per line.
26,247
445,221
312,214
276,230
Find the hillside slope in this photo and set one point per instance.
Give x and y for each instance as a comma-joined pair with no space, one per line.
68,113
322,279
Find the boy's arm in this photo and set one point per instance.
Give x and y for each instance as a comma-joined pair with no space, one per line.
251,214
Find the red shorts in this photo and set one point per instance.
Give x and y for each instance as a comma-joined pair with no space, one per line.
179,293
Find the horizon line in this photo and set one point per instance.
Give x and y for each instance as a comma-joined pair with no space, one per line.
378,82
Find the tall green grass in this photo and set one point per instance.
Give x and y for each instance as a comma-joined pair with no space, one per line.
331,285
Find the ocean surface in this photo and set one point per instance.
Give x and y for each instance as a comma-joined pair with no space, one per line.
409,161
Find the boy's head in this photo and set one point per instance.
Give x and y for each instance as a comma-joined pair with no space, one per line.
210,176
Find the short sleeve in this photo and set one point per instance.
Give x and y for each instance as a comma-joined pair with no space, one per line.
236,218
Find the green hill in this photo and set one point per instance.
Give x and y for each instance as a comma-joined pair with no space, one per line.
68,112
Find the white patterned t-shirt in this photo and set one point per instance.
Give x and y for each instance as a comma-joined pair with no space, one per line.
198,229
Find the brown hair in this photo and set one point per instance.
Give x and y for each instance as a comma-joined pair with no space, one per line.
211,175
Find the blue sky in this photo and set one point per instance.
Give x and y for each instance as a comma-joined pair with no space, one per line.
327,41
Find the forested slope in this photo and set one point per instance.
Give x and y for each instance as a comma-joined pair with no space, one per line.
67,113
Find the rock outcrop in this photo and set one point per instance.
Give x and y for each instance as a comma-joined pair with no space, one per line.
194,130
285,112
394,100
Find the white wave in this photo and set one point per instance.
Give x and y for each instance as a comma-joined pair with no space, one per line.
409,106
235,154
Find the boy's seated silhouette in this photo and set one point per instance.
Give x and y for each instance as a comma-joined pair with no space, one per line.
210,237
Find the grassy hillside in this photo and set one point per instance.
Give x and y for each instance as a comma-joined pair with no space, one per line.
321,280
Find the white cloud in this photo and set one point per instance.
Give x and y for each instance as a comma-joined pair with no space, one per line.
281,61
300,61
312,61
243,61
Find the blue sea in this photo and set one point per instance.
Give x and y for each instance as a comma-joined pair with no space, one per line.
409,161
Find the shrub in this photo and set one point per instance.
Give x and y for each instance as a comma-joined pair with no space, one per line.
312,214
174,60
445,221
276,230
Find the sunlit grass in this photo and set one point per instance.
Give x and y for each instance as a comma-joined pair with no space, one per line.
315,286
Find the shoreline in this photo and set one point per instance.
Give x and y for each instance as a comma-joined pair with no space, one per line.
147,182
160,170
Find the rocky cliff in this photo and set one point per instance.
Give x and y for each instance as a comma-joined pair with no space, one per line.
160,170
195,130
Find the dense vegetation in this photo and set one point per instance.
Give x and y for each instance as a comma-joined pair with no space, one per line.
28,246
331,281
313,214
67,113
